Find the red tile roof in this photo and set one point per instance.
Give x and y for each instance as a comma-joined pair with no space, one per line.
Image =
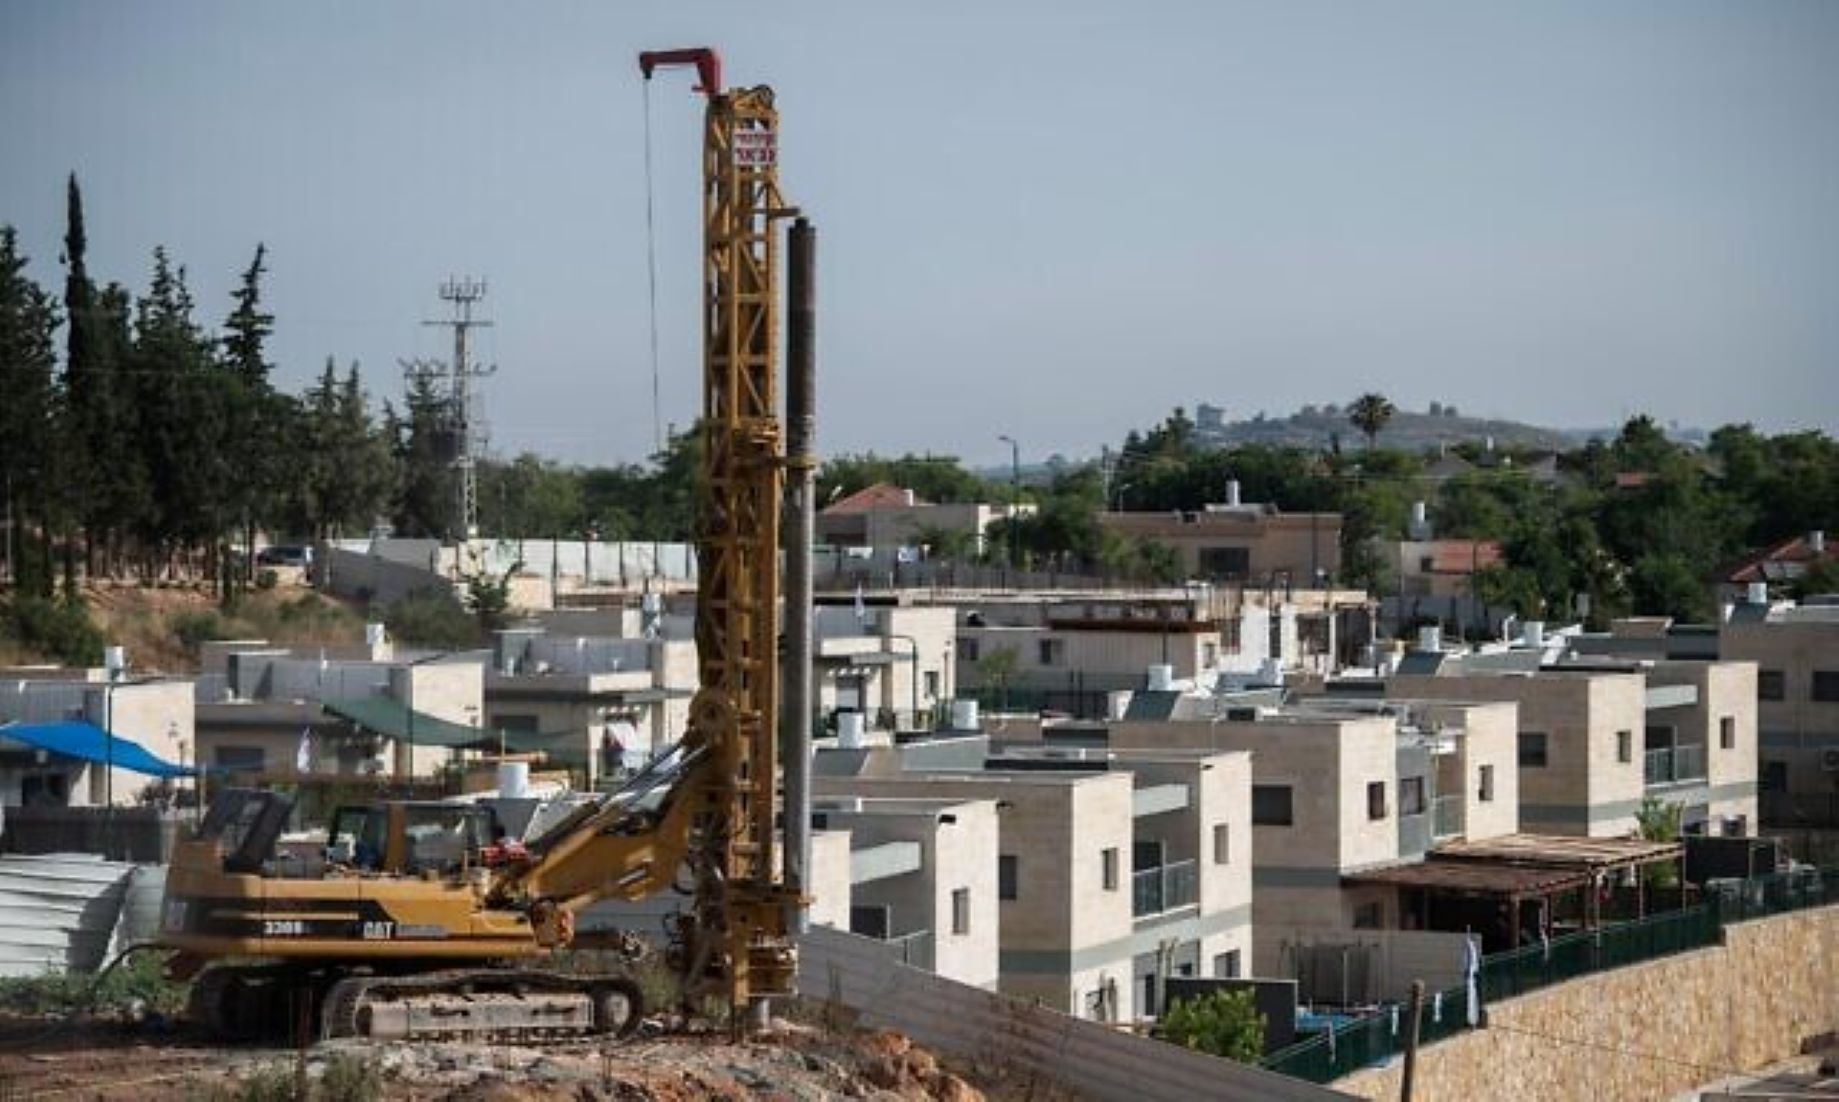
1786,559
881,495
1463,556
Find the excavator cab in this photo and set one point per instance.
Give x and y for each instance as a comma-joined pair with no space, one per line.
409,839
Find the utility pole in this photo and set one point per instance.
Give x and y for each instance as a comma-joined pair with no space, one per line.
1415,1012
461,371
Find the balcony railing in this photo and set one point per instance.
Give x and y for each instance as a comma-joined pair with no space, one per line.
1675,765
1449,816
1163,888
913,950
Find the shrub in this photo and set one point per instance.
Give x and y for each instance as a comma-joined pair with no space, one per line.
351,1077
138,980
60,630
1224,1023
431,618
195,627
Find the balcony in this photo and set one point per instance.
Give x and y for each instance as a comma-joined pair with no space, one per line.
1164,888
1449,817
1675,765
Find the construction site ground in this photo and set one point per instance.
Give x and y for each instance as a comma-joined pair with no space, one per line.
120,1061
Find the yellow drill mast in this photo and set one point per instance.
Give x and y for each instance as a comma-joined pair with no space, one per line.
741,902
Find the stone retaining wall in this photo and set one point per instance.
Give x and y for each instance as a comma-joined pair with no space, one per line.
1644,1032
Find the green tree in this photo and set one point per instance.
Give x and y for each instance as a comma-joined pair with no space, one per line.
1369,413
1223,1023
30,410
997,670
1657,820
426,444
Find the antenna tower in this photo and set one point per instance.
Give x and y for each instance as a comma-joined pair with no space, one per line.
467,428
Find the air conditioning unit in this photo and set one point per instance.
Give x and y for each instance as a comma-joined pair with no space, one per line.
1242,715
1829,759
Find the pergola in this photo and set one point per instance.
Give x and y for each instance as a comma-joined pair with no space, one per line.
1479,879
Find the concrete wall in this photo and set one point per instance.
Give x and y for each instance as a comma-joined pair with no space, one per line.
1645,1032
829,888
1796,728
1296,544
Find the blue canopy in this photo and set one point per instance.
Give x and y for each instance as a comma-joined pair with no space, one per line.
88,742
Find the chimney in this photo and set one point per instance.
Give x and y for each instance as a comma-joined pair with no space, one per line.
906,498
1759,593
1420,521
1232,491
1816,541
1532,633
1430,637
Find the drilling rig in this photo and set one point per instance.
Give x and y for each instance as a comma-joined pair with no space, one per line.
415,922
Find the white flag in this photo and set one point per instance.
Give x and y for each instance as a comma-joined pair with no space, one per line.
303,757
1472,969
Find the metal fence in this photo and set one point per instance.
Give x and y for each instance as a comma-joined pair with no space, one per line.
1372,1039
1375,1037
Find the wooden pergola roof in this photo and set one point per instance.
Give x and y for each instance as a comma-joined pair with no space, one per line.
1558,851
1474,878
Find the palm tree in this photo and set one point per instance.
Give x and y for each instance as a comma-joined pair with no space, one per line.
1369,413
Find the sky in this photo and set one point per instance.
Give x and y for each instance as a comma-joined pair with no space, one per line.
1051,220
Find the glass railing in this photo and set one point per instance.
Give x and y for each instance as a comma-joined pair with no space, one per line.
1449,816
1163,888
1675,765
913,950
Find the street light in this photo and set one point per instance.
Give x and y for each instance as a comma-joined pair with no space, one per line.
1015,499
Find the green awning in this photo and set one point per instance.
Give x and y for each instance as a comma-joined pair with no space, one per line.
389,718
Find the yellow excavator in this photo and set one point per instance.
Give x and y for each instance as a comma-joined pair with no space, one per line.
415,920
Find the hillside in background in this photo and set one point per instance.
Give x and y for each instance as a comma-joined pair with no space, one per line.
1320,426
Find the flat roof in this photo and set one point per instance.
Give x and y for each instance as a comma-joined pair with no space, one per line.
1558,850
1478,877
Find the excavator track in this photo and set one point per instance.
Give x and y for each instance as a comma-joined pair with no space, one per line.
496,1003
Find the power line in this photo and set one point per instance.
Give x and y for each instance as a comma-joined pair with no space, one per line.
1618,1050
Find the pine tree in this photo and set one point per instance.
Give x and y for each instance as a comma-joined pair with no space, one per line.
425,445
28,413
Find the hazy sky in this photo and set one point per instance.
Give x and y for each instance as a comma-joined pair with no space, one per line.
1055,220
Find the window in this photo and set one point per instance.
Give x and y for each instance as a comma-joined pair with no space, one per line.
961,911
1774,776
1225,562
1486,795
1226,965
1005,876
1532,749
967,650
1052,651
241,757
1727,732
1271,805
1222,844
1771,685
1376,800
932,684
1368,916
1736,826
1411,796
1826,686
1108,861
1625,746
1209,654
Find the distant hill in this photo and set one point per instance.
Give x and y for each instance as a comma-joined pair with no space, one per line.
1318,426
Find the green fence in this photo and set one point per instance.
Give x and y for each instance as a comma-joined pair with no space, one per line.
1377,1037
1370,1040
